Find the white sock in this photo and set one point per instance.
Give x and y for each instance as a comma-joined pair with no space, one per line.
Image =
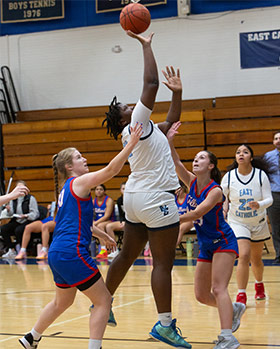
258,282
242,291
94,344
165,318
36,335
11,250
44,249
226,333
103,248
23,249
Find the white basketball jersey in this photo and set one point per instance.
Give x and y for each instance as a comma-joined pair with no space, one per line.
241,193
151,163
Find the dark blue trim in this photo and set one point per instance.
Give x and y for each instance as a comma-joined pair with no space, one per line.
165,227
254,170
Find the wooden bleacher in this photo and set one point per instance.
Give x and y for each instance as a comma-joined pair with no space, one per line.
30,144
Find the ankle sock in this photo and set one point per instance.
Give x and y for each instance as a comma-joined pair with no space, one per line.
165,318
94,344
36,335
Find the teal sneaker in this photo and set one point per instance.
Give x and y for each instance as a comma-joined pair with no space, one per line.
111,321
169,335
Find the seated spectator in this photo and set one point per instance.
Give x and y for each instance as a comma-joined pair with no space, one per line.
23,211
118,225
103,208
45,226
181,202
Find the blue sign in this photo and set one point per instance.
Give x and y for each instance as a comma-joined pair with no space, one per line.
260,49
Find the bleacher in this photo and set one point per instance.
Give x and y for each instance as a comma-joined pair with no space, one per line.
218,125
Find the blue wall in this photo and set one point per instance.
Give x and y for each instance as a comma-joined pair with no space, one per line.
82,13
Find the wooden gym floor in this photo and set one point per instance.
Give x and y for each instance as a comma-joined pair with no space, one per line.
26,288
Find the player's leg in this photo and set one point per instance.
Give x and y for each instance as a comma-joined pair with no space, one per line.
34,227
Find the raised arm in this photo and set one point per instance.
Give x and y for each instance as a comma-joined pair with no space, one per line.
20,190
186,176
151,81
84,183
173,82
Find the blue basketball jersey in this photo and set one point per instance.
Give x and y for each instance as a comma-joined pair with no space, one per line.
182,207
73,221
212,227
99,210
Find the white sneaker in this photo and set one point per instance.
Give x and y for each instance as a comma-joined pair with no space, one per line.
10,254
238,311
114,254
229,343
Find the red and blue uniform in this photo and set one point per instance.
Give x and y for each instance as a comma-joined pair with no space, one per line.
213,233
99,210
69,257
182,207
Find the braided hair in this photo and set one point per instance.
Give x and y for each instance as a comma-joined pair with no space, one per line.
113,119
64,157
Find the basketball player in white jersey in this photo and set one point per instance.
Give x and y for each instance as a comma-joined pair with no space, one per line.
247,188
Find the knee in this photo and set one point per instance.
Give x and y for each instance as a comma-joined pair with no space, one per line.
217,290
244,258
201,297
63,304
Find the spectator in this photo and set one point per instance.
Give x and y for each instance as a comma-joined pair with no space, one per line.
103,210
46,226
23,211
247,188
118,225
273,160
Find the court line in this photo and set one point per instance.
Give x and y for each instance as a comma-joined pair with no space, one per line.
16,335
7,339
116,307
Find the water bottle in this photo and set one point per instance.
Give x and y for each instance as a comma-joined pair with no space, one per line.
195,248
189,247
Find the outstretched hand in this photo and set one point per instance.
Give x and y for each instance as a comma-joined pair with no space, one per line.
173,130
135,133
144,40
20,190
173,80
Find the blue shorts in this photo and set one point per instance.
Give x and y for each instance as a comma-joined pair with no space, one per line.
220,245
48,219
71,270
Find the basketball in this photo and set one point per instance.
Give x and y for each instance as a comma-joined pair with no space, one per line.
135,17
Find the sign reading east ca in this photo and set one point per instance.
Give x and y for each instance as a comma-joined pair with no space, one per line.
31,10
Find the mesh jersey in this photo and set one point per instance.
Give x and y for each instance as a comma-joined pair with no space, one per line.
151,163
240,194
212,226
182,207
73,221
99,210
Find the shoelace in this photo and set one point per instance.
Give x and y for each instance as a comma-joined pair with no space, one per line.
177,329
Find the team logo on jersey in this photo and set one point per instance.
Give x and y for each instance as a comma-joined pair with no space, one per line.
164,209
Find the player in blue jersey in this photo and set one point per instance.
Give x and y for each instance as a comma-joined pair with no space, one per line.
217,242
69,258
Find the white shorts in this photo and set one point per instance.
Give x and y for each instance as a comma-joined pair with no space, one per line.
155,210
254,233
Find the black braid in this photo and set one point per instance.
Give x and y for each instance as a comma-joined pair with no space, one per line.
113,119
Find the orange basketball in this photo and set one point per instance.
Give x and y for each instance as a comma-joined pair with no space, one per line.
135,17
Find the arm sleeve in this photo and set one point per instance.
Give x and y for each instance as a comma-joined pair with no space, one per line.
266,193
33,209
141,114
224,185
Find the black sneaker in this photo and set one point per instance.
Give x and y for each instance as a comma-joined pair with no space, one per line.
28,342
